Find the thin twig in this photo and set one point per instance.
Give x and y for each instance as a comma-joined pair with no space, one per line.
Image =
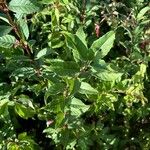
16,29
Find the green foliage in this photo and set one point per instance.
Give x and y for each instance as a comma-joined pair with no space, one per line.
74,74
7,41
24,6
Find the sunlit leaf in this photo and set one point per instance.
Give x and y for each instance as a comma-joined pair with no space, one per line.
104,43
24,6
7,41
86,88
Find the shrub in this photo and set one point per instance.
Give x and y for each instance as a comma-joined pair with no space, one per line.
74,74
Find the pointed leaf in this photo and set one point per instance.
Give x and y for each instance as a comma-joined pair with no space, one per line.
4,30
55,89
142,12
107,75
3,106
23,111
24,28
42,53
63,68
86,88
59,118
104,43
24,6
4,18
57,15
81,35
80,50
74,85
77,107
24,72
7,41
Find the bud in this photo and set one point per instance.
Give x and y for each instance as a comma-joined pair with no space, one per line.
17,43
49,122
97,30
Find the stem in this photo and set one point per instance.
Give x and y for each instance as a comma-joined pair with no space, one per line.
24,44
13,24
83,11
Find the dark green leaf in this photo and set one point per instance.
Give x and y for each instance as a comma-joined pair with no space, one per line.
4,17
4,30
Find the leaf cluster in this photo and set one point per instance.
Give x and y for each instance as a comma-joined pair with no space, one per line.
74,74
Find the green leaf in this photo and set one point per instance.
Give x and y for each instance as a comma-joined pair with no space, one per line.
86,88
4,30
59,118
81,35
104,43
7,41
24,112
106,75
142,12
25,100
24,6
19,16
56,41
74,85
46,1
22,135
3,106
42,53
12,146
141,73
4,18
25,72
79,49
57,15
63,68
77,107
24,28
56,105
143,70
54,89
66,2
69,37
70,40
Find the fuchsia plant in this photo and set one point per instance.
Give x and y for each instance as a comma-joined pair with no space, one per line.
74,75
